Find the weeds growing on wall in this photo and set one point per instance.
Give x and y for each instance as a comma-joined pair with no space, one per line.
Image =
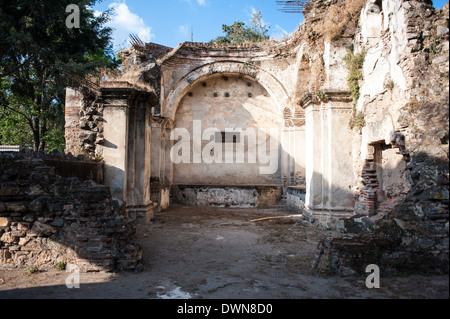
357,121
354,63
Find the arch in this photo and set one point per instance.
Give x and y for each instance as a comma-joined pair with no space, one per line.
275,89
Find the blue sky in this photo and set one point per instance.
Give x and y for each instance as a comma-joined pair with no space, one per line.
170,22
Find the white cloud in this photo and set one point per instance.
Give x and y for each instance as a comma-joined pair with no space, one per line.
200,2
184,30
279,33
124,22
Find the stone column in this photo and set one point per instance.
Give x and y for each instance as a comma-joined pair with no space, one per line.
126,147
115,145
161,169
167,173
329,170
74,104
340,175
156,150
326,160
138,199
313,151
300,154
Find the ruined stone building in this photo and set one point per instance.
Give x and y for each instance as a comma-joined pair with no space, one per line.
284,122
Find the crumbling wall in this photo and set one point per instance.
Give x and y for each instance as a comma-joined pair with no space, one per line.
227,196
84,106
46,219
398,150
84,123
404,102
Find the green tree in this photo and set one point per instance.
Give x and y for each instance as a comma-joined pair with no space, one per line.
238,32
39,57
258,29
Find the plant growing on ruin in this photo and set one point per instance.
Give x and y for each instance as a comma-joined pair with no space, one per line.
433,44
321,95
389,85
357,120
33,270
354,63
329,270
98,158
238,32
61,266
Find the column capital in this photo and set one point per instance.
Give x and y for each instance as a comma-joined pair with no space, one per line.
123,94
325,96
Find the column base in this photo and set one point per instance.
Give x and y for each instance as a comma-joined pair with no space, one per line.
329,218
143,213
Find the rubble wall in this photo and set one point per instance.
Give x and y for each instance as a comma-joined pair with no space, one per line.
46,219
404,101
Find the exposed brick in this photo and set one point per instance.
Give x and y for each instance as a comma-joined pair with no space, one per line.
76,222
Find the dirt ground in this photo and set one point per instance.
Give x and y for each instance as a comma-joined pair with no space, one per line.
218,253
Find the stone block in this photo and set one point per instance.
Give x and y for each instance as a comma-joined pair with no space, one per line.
24,240
8,238
58,222
6,255
16,207
37,205
43,228
9,189
441,30
23,226
5,221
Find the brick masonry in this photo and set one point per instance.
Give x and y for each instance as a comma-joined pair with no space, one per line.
46,219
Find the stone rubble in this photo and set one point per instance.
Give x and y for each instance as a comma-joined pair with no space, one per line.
46,219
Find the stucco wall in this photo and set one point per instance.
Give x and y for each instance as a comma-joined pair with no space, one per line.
229,102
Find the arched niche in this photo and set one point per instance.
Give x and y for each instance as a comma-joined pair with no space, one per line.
272,85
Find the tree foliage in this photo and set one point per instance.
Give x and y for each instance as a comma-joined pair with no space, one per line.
39,57
238,32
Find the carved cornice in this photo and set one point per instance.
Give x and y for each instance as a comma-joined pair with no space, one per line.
162,122
120,92
325,97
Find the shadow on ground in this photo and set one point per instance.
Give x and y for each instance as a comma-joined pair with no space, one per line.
218,253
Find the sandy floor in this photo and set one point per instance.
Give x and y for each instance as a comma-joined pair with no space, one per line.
206,253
